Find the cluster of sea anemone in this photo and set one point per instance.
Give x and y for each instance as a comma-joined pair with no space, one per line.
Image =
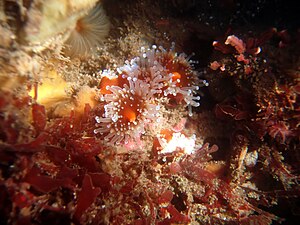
135,92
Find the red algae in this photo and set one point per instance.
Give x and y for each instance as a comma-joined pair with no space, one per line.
86,196
39,117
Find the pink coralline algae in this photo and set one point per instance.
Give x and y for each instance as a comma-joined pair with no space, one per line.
246,60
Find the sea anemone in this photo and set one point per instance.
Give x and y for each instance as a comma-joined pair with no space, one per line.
184,77
109,78
171,74
133,95
127,111
147,68
88,33
167,73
